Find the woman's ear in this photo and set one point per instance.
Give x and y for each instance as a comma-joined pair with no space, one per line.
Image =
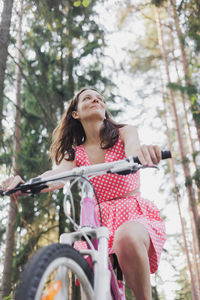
75,114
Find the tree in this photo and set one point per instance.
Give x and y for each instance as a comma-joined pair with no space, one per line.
145,58
62,51
190,87
4,42
10,233
177,198
190,190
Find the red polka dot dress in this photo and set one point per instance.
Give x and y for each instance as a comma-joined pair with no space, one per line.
119,211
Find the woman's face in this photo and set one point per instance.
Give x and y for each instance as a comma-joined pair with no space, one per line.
91,105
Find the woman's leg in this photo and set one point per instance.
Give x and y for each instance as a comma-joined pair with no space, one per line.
132,245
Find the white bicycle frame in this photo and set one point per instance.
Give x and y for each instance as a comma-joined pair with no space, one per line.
103,273
99,257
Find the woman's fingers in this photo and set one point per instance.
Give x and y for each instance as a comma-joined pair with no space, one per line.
10,183
157,153
6,183
146,154
149,154
17,179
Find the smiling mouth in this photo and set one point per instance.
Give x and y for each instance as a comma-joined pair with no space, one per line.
94,106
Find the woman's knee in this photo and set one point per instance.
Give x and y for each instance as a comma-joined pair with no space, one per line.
131,236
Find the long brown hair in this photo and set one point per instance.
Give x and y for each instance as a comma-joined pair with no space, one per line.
70,133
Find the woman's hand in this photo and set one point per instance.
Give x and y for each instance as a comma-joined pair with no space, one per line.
149,154
10,183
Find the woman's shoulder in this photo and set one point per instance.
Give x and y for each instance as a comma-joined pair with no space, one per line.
126,131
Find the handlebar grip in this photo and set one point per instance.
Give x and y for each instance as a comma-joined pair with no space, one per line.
7,193
164,155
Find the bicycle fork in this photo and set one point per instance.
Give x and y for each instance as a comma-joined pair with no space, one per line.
99,258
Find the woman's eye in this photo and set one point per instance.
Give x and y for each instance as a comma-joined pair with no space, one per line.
87,98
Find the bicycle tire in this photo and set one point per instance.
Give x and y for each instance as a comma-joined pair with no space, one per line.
41,265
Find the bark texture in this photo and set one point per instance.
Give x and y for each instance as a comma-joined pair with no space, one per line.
4,42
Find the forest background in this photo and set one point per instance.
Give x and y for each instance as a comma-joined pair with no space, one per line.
144,57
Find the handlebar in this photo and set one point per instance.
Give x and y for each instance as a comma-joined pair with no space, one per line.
164,155
122,167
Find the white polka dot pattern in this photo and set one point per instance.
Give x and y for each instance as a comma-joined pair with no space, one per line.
131,208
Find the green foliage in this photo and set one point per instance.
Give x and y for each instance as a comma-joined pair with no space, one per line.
10,297
85,3
184,292
192,23
190,89
130,296
5,158
188,181
155,295
195,154
128,293
196,177
158,3
2,231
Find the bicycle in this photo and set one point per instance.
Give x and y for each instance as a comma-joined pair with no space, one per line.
54,270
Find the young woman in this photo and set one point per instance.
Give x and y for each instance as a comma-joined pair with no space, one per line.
87,135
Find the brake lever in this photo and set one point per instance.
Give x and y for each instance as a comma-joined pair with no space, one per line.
37,189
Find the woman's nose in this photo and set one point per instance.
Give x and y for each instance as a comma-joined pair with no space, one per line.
95,100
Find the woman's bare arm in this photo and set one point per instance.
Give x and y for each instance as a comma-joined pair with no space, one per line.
147,154
11,182
64,166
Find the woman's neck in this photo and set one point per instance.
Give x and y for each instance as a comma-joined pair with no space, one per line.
92,131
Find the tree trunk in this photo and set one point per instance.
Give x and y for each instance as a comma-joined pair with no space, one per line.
176,195
17,133
188,82
188,125
195,247
4,42
71,90
70,68
195,252
10,233
70,62
190,190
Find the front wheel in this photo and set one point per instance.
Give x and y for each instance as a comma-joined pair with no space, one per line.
51,275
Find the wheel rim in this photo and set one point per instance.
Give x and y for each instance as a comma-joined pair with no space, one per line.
58,279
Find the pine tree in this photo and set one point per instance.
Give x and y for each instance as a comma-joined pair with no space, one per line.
4,42
10,233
